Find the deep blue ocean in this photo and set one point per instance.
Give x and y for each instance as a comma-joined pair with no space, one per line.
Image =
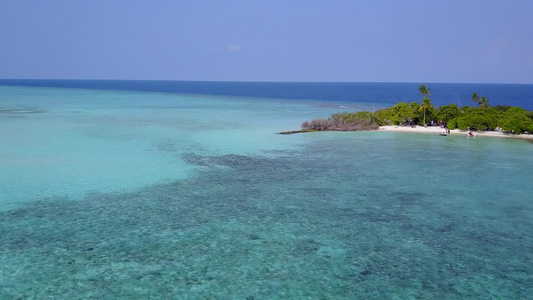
377,93
184,190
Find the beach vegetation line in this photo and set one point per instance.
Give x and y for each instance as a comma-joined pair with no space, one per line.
481,117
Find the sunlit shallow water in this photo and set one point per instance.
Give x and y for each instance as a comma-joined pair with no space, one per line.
120,195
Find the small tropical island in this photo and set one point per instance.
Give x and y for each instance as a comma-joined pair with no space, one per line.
423,117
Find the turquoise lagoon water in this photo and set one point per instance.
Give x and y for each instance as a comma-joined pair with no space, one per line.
137,195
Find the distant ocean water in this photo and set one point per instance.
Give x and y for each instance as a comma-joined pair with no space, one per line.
377,93
183,190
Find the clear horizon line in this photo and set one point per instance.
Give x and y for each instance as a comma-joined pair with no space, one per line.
259,81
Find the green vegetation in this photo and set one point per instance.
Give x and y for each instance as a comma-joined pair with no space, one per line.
426,102
475,98
446,113
358,121
483,117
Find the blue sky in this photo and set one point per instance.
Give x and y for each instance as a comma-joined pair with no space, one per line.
360,41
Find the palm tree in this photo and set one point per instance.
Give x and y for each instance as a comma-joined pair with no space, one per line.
426,105
484,102
475,98
424,91
426,102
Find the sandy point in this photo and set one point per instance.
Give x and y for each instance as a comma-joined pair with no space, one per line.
439,130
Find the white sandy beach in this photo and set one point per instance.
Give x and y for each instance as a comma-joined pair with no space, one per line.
438,130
